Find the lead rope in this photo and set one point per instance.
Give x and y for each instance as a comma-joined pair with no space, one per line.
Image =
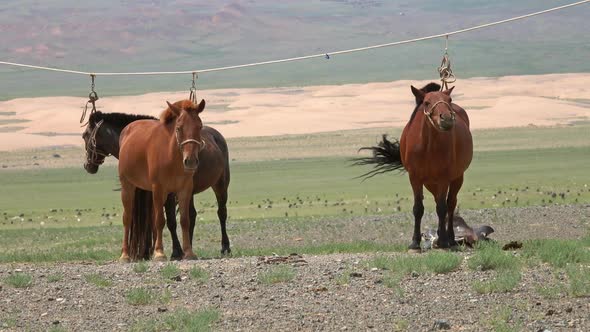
92,98
193,89
445,72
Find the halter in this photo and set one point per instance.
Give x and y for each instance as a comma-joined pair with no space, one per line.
201,144
429,112
91,150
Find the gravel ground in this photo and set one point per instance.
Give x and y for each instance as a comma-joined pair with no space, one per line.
329,292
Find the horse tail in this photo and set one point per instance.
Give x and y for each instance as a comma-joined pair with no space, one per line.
140,234
386,158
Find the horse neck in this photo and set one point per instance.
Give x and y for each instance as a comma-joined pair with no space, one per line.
113,133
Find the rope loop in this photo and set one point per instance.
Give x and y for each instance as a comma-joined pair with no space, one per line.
193,89
92,98
445,71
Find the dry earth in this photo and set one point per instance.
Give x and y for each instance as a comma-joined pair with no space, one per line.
512,101
328,293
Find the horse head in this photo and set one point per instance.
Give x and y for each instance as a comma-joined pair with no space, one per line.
187,128
437,107
96,150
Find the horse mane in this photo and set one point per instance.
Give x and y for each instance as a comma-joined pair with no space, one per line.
117,119
430,87
168,115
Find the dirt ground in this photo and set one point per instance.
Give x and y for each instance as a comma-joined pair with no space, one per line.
335,292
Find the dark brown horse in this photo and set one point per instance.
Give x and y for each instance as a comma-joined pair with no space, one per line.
435,149
161,157
101,138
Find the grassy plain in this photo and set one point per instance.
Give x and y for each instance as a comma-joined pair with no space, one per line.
283,186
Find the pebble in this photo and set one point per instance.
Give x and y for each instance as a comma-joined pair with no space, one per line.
441,324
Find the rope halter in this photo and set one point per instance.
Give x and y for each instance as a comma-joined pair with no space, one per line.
428,112
92,151
201,143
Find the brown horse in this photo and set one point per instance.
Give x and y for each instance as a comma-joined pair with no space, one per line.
435,149
101,139
160,157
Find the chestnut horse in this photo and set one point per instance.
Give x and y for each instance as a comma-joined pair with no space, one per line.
101,138
435,149
161,157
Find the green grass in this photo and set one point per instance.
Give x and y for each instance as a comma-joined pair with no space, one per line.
170,271
141,267
500,321
276,274
504,281
579,279
311,198
98,280
19,280
198,274
558,253
490,256
180,320
139,296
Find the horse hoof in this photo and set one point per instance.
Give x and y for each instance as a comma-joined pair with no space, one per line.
225,252
175,257
159,258
190,257
124,259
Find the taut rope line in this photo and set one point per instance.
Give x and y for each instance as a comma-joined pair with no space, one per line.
326,55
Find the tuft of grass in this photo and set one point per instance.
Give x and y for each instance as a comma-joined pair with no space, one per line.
98,280
55,277
141,267
393,281
490,256
198,274
277,274
139,296
504,281
57,329
401,325
180,320
551,292
165,297
19,280
500,321
170,271
183,320
579,277
558,253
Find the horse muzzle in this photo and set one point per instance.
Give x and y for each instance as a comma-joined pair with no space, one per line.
447,124
190,164
91,168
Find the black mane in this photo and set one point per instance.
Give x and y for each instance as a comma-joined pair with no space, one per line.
117,119
430,87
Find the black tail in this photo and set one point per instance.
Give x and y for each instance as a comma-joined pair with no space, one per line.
140,234
386,158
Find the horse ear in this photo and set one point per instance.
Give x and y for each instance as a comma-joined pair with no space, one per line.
448,92
201,106
173,108
419,94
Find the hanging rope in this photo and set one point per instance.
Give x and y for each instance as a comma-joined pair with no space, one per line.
193,90
92,98
445,72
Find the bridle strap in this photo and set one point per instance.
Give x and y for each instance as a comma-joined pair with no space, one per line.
428,113
91,150
201,144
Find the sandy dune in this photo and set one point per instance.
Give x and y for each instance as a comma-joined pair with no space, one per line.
491,103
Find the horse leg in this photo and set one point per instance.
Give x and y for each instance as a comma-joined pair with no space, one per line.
158,199
451,205
128,198
192,215
170,208
418,210
220,190
441,211
184,200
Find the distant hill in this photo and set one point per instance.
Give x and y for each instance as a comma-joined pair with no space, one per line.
125,35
